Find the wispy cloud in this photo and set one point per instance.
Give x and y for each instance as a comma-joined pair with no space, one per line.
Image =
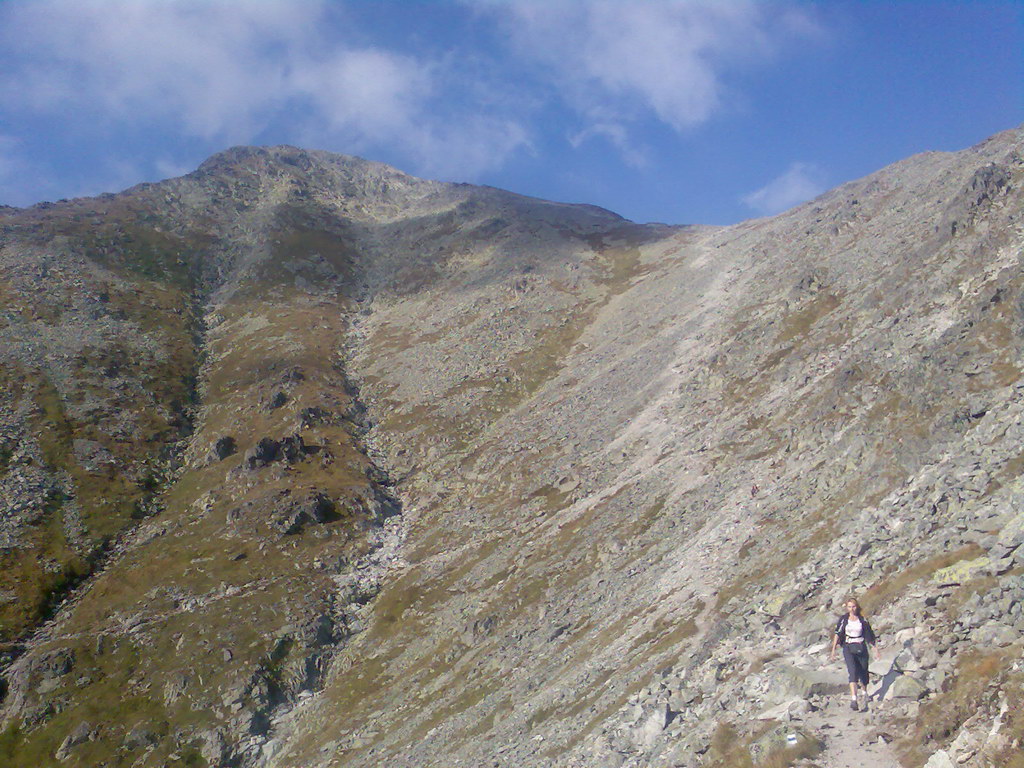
615,62
618,136
225,71
797,184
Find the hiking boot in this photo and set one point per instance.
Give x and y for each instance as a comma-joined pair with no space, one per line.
853,705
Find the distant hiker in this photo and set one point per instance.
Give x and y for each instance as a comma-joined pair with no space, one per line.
753,491
855,635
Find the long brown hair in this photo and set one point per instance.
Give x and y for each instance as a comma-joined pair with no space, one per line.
860,612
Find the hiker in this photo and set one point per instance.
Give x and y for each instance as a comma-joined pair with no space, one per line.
854,633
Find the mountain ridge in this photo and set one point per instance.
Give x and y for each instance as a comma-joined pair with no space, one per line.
448,476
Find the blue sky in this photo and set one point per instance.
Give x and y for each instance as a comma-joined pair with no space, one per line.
686,111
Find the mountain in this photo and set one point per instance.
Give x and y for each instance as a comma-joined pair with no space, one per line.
308,462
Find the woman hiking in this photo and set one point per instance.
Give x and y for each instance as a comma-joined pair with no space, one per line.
855,634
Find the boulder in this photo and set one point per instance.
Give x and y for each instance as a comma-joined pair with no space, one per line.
651,725
214,749
139,737
295,513
782,602
804,683
1012,534
884,659
995,633
293,448
82,733
793,709
906,687
224,447
264,452
963,571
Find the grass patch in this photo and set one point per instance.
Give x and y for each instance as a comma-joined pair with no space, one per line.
39,574
668,632
10,741
799,323
6,452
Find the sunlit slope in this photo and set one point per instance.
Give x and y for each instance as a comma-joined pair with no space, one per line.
579,444
440,475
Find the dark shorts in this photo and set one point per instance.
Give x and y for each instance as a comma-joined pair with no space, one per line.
856,655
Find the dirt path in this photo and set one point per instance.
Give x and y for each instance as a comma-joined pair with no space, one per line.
850,738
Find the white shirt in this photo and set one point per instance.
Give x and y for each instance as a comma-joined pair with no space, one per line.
854,631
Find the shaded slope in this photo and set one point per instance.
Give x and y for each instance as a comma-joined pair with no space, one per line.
272,528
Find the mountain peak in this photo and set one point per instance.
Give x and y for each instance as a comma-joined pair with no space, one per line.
259,158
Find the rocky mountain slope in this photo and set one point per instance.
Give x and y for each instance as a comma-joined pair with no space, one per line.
307,462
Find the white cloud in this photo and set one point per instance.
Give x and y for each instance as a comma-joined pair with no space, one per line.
202,65
168,168
619,138
617,61
223,72
799,183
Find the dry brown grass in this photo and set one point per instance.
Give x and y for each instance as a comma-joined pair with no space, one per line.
758,663
731,749
1013,757
940,718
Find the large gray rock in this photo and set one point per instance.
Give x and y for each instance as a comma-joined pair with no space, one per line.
906,687
651,725
1011,536
805,683
79,735
997,634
